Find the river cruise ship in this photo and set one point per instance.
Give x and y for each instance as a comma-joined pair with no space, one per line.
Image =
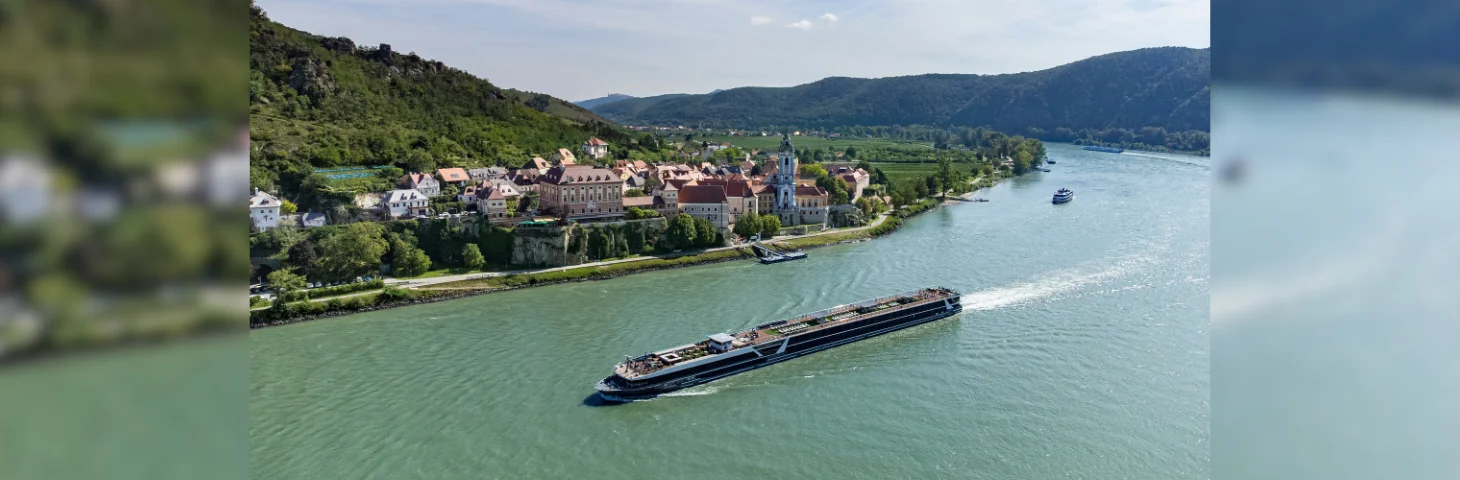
725,354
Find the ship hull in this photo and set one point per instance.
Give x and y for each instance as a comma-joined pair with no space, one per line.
780,351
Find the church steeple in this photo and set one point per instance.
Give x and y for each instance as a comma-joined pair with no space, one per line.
786,142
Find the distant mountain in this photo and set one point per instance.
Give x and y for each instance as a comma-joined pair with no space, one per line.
555,106
1164,87
594,102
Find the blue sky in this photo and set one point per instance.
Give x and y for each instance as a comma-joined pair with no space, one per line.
580,49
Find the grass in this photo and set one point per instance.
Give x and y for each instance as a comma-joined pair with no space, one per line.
774,142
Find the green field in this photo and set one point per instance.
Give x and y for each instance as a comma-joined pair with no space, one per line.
773,142
898,171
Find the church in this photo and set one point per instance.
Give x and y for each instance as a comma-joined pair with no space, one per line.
795,204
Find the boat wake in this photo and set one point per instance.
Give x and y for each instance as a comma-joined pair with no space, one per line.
1052,284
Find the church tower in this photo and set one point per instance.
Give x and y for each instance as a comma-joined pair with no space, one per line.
786,182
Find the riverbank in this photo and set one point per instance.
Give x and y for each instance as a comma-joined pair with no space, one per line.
395,296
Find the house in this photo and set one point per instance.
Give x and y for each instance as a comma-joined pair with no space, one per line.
503,186
263,210
312,219
581,192
422,183
595,148
565,157
635,181
455,176
537,164
479,174
856,179
491,202
407,202
740,196
707,202
524,180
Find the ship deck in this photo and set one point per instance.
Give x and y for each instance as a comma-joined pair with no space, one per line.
775,331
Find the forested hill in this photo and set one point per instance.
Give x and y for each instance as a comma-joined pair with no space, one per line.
320,102
1163,87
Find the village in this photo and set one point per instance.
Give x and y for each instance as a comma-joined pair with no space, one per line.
561,189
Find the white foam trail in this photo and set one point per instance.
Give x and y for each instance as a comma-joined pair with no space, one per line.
692,392
1052,284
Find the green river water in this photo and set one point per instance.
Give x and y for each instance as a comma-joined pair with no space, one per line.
1082,352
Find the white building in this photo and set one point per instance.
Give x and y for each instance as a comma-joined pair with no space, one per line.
423,183
707,202
407,202
595,148
263,210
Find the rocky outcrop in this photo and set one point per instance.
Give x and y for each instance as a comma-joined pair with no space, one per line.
840,216
555,246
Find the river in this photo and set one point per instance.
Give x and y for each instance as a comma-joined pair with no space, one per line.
1082,353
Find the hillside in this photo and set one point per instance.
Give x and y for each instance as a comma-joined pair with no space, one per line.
1155,87
323,102
610,98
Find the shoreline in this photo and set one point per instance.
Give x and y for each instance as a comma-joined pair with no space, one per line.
447,291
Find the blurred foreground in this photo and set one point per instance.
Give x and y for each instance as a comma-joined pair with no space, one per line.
1335,305
123,249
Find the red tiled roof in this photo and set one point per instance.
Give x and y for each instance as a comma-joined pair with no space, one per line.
491,193
453,174
702,194
639,164
810,191
539,163
596,142
415,178
733,188
563,175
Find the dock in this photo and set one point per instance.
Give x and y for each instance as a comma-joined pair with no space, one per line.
768,255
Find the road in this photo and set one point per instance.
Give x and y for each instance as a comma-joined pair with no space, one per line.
425,282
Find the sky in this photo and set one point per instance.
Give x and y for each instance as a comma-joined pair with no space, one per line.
582,49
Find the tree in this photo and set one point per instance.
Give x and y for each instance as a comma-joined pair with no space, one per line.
770,225
471,257
634,192
649,142
748,225
283,281
353,250
706,235
852,153
680,233
287,207
409,261
920,187
864,165
945,173
305,256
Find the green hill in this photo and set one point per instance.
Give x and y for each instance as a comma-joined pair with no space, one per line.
324,103
1163,87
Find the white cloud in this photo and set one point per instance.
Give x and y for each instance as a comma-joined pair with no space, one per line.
760,20
804,25
829,17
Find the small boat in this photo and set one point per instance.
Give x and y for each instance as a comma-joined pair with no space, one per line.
1045,170
1063,195
980,199
1051,162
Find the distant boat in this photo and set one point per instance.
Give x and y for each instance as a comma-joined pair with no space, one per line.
1051,162
1103,149
1045,170
1063,195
